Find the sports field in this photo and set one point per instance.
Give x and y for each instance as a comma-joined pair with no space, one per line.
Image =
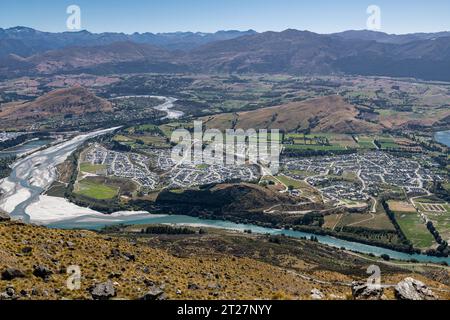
95,190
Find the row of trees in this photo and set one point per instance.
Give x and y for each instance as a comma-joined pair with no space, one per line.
442,250
166,230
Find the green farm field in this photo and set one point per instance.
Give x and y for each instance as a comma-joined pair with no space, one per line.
91,168
94,190
365,142
414,229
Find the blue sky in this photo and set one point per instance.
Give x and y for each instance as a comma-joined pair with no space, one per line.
322,16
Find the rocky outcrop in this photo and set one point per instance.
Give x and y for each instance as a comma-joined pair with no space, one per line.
103,291
154,294
412,289
42,272
193,286
12,273
8,294
115,253
317,294
364,291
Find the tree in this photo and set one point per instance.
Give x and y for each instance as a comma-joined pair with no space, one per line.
385,257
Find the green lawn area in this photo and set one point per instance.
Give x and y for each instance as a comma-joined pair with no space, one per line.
319,141
306,189
366,143
302,173
150,140
122,138
91,168
387,142
95,190
147,127
389,145
168,128
414,229
291,182
442,224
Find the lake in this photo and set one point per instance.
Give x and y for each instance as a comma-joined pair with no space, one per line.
443,137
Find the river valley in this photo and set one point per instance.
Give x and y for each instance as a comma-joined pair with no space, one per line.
22,198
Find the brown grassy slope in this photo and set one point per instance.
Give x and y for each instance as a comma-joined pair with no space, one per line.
83,57
222,266
75,101
306,258
326,114
239,278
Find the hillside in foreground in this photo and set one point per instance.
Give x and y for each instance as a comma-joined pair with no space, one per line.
129,264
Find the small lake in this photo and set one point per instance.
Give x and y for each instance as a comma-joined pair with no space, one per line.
24,148
443,137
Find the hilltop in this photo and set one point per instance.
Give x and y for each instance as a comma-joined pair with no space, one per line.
72,108
70,101
239,202
327,114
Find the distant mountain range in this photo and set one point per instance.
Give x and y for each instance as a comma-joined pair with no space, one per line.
25,41
24,51
390,38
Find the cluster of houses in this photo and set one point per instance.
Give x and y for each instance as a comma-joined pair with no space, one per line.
147,170
370,172
124,165
5,136
187,174
338,190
